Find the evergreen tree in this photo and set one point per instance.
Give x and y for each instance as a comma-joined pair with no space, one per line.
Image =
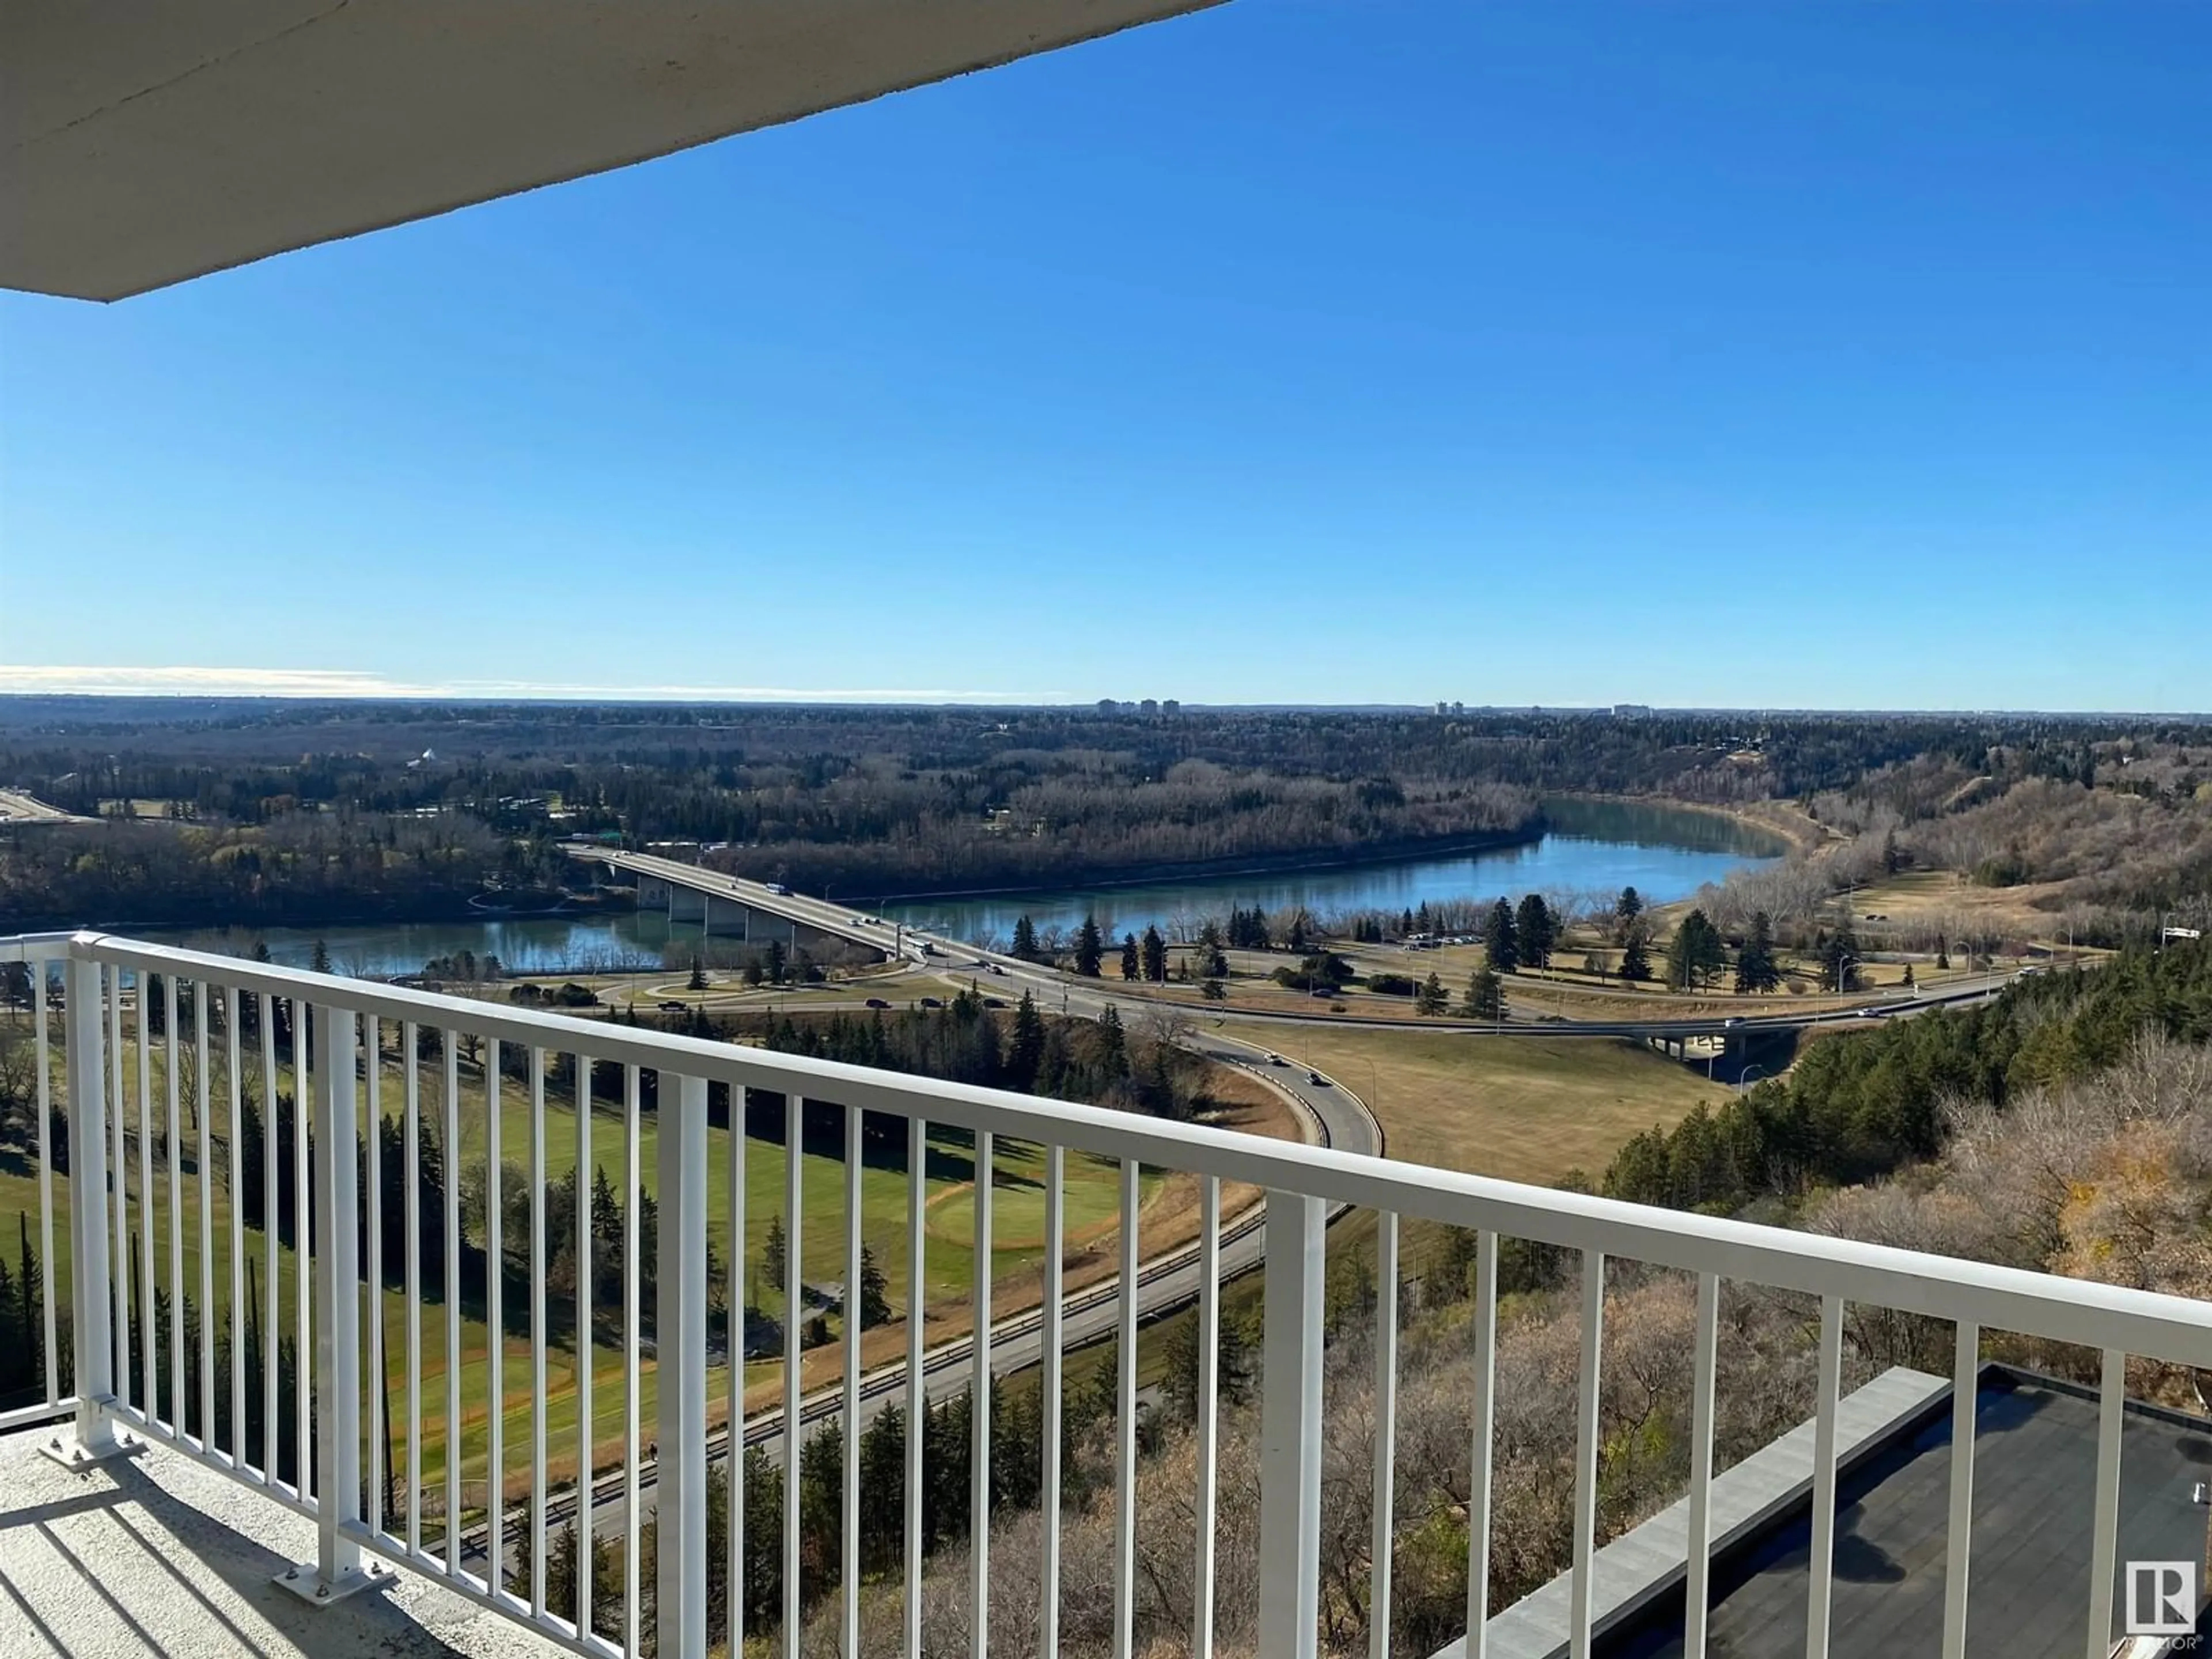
774,1252
1696,955
698,980
1499,940
1535,930
777,960
1485,995
1025,945
1130,969
1755,969
1627,911
1839,960
872,1299
1090,948
1025,1056
1213,990
1430,998
1295,938
1113,1046
1156,956
1636,954
320,961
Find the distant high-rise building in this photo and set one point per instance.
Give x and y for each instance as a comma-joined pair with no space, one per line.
1149,706
1169,706
1631,711
1458,709
1443,708
1107,705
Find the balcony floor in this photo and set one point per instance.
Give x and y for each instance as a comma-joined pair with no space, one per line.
154,1555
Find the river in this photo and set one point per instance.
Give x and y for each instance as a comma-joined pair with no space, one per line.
1592,847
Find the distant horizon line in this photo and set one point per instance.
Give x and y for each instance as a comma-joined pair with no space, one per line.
983,703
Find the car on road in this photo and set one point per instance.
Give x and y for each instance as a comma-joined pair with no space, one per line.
927,949
878,1002
1277,1060
1317,1079
1871,1013
675,1007
994,1002
1733,1021
776,888
932,1002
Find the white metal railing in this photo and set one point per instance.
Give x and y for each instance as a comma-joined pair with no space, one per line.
248,1018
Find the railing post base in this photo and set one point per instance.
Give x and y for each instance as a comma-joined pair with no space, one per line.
307,1583
65,1447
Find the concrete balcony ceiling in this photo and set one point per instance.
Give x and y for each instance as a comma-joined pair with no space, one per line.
150,143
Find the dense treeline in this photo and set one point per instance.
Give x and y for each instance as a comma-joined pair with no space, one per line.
1857,1107
369,809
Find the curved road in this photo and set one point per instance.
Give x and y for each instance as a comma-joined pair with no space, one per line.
1335,1116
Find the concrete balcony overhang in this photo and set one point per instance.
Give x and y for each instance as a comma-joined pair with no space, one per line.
155,144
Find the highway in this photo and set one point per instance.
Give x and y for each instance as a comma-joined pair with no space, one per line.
1333,1116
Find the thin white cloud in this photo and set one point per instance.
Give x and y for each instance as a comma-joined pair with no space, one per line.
318,684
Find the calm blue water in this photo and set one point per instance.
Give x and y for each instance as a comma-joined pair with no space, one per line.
1599,848
1557,863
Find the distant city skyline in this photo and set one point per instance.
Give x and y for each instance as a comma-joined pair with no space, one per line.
1795,356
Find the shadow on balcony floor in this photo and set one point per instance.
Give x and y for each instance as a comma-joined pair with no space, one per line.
154,1555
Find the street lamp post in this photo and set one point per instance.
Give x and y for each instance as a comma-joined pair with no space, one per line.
1743,1081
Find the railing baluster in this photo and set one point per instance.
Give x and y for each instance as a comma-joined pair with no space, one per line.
171,1085
1055,1245
271,1179
794,1232
309,1481
118,1198
680,1341
231,1003
581,1258
1386,1431
633,1186
1703,1363
1829,1386
917,1397
201,1102
1480,1438
1209,1404
94,1315
149,1342
536,1330
2112,1406
372,1275
849,1556
450,1154
38,1061
1586,1450
979,1385
735,1574
495,1329
1289,1429
1125,1422
1965,1393
336,1371
412,1133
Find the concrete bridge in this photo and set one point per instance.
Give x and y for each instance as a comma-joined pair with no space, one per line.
730,907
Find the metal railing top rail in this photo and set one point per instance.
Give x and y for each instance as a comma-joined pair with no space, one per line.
2155,1325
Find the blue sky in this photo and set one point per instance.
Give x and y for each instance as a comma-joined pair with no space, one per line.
1851,355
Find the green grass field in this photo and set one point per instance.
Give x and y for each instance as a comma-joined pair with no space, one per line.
948,1266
